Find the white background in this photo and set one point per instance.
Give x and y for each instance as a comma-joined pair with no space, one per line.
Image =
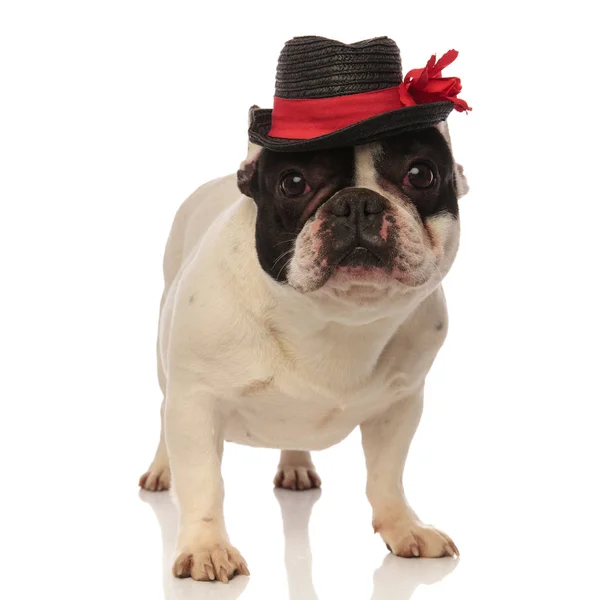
111,114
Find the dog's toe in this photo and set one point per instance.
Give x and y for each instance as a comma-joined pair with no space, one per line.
220,562
415,540
156,479
297,478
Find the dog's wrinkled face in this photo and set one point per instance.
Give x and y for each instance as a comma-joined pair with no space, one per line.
383,215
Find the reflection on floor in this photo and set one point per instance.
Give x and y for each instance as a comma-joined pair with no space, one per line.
396,577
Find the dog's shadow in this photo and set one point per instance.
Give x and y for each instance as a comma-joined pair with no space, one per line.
396,577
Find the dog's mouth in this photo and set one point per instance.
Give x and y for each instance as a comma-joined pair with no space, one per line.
362,267
360,257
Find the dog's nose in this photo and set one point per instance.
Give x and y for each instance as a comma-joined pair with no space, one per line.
356,204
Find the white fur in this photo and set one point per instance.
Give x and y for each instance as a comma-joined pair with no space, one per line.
245,359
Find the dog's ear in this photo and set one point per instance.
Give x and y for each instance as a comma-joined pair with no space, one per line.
462,186
460,180
246,175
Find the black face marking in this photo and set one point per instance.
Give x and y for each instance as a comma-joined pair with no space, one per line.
281,217
418,151
356,226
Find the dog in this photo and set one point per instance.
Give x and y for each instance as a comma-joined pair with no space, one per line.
303,296
302,299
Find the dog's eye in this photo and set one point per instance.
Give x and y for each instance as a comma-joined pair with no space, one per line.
419,176
294,185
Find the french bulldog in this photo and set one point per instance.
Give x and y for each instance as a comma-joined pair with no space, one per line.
303,299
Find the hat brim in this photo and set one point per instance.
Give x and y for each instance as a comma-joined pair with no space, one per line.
376,128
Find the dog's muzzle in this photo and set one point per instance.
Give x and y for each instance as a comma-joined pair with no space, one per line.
357,218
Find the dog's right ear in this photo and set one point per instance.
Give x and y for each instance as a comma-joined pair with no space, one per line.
246,175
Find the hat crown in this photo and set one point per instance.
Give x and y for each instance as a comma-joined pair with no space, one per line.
318,67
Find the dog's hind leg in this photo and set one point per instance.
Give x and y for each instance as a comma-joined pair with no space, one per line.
296,471
158,476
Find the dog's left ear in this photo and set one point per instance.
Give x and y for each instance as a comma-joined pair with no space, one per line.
460,180
247,172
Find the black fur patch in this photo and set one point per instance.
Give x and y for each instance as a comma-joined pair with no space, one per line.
280,219
427,146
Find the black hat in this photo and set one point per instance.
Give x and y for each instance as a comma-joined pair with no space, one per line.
329,94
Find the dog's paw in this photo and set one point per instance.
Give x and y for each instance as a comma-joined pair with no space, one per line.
156,479
297,478
221,562
411,539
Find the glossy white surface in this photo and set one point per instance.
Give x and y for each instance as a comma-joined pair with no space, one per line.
525,529
112,113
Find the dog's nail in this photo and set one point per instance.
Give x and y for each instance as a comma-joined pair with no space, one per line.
243,569
414,548
223,576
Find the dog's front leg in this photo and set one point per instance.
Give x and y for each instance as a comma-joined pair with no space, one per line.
194,434
386,440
